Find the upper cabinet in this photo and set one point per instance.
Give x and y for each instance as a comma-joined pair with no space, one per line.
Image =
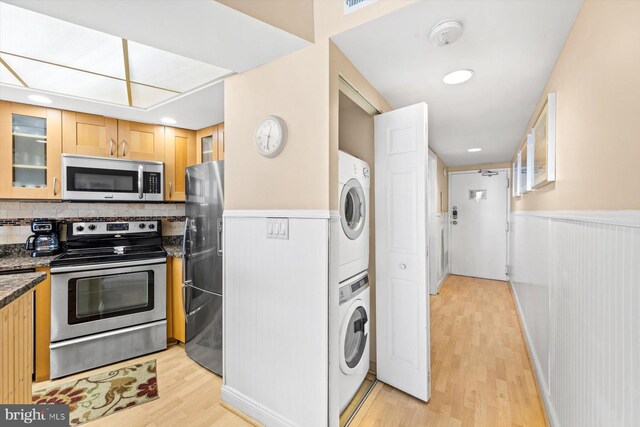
140,141
30,149
92,135
220,130
89,135
180,152
210,143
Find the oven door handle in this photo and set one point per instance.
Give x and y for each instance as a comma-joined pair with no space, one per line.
108,266
140,186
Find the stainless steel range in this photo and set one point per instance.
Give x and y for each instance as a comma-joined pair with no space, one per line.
108,295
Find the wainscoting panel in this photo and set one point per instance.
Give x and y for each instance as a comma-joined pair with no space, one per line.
576,278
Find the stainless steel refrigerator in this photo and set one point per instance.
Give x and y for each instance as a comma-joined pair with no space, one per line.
202,263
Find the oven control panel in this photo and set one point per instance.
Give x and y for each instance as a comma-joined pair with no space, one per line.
114,228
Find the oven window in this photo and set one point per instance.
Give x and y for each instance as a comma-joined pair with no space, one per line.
100,297
113,181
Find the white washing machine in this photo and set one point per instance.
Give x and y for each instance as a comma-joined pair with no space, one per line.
354,336
354,183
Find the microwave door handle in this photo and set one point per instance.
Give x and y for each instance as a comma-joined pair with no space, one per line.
140,175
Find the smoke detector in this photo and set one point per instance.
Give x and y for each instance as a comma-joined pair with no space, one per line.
446,32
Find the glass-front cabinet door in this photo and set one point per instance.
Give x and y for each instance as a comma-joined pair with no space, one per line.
207,144
30,151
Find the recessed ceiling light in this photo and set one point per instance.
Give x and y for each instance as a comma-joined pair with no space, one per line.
457,77
474,150
168,120
41,99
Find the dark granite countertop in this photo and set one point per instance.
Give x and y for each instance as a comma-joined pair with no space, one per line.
13,286
23,261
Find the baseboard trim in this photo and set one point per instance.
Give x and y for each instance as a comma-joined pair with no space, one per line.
541,385
441,283
251,409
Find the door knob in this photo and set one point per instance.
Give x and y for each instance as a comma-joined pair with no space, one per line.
403,266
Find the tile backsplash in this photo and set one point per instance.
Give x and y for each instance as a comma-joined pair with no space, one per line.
16,216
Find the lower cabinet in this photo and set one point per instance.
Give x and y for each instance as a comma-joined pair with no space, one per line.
175,313
16,346
42,328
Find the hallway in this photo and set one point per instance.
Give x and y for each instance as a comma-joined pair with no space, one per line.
481,372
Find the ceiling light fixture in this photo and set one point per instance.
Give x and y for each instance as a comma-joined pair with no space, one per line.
41,99
445,33
474,150
457,77
168,120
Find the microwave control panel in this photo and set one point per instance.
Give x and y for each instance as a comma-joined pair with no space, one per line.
152,183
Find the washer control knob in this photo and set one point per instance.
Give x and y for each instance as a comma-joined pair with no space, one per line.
152,226
143,225
79,228
91,227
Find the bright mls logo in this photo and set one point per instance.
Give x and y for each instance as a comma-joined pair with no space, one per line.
34,415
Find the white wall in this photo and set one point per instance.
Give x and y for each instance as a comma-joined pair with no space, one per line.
576,278
276,318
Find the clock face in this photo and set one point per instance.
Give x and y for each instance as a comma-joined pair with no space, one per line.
271,136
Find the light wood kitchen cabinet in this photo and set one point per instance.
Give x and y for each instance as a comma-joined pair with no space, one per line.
220,130
16,343
141,141
176,325
42,340
30,147
89,135
180,152
210,143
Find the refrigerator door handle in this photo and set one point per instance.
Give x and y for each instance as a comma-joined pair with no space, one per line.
220,237
186,237
186,299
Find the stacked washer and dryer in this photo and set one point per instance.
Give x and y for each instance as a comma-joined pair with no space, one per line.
354,184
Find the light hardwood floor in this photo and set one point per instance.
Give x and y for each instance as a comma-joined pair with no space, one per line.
189,395
481,375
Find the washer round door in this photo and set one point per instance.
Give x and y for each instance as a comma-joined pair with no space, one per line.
354,334
353,209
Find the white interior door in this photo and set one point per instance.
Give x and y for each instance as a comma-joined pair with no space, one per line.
479,233
402,299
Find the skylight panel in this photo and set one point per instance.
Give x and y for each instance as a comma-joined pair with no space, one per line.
145,96
7,78
37,36
167,70
67,81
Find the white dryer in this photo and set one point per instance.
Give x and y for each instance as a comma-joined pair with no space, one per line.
354,183
354,336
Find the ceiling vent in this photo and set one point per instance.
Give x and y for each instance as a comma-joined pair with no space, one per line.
351,5
446,32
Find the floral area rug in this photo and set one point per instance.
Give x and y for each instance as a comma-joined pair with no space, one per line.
105,393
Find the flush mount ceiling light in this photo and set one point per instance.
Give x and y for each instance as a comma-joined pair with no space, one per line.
168,120
445,33
474,150
457,77
41,99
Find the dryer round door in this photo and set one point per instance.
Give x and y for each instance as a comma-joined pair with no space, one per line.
353,209
354,334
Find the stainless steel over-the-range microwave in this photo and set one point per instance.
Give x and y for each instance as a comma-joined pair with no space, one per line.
98,178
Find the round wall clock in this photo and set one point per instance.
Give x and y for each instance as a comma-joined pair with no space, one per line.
271,136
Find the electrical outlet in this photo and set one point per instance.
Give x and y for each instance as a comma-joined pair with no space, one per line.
278,228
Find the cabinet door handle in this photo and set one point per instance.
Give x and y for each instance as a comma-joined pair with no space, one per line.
124,144
55,181
111,146
170,189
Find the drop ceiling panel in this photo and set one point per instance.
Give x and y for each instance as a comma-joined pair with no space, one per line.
52,78
38,36
7,78
169,71
145,96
